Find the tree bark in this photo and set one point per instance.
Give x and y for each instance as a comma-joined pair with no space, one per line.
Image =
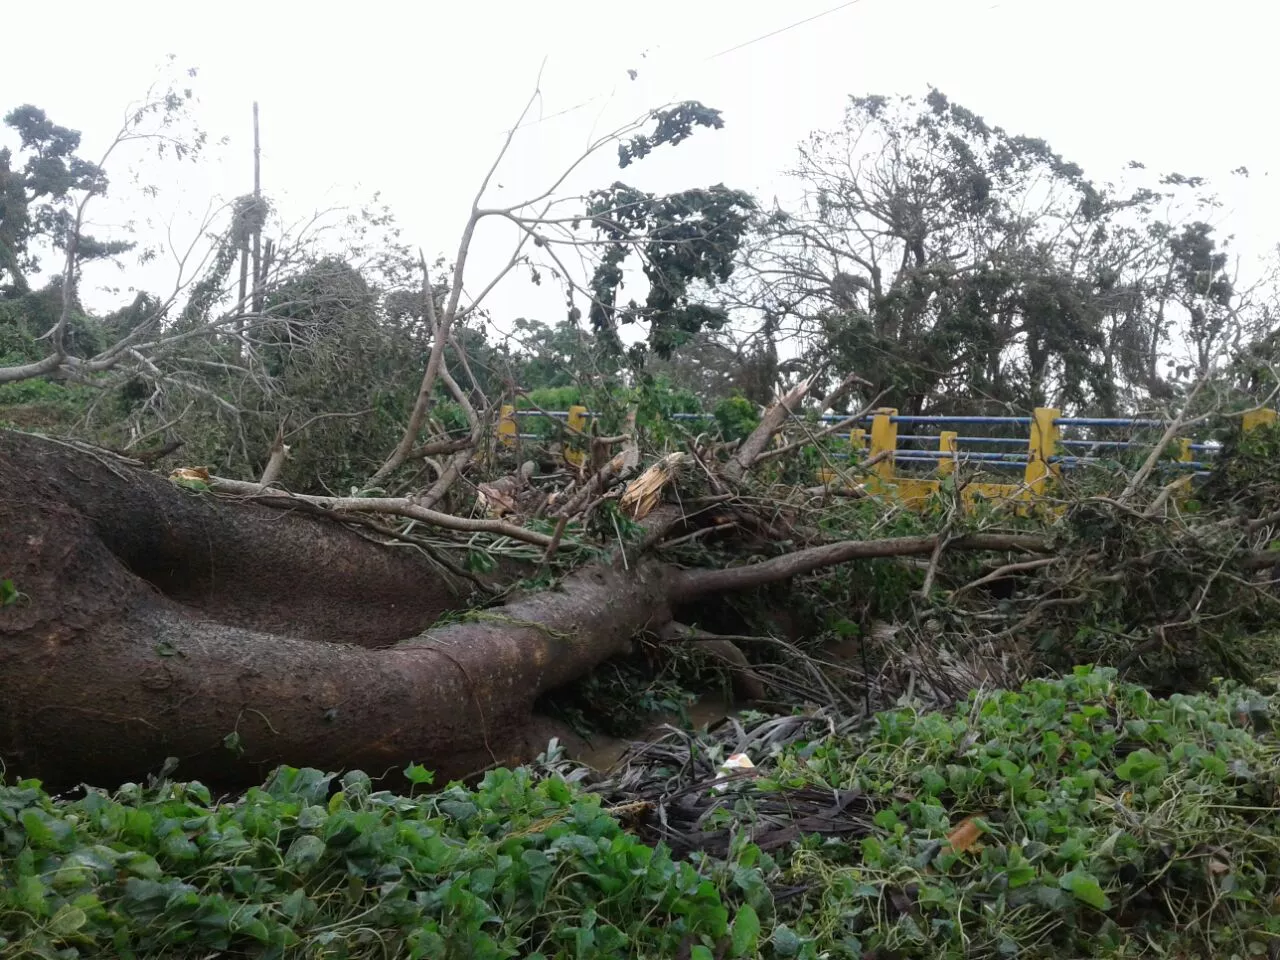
155,622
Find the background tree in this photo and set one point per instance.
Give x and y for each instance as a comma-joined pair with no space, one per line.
954,264
38,186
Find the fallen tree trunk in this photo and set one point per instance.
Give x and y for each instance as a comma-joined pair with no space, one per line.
156,622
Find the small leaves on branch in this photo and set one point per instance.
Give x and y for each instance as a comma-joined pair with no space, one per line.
674,124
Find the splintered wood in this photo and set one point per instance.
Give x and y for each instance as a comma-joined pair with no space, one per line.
645,491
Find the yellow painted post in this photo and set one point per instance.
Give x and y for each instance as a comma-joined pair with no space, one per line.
857,443
1043,445
1258,418
947,445
857,449
1185,455
573,451
507,430
884,440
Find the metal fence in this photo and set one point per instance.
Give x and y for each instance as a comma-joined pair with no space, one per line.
1049,444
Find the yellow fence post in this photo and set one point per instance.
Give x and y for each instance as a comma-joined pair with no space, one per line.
1258,418
857,447
884,441
1185,455
947,445
507,430
857,443
1043,445
573,451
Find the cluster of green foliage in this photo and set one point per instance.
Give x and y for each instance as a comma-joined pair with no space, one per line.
511,868
39,404
1111,823
36,196
687,239
684,241
1079,817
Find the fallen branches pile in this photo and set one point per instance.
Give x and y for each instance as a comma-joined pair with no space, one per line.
161,592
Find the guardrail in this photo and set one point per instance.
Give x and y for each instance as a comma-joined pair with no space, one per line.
1046,451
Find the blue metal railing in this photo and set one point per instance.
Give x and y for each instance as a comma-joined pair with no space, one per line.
986,458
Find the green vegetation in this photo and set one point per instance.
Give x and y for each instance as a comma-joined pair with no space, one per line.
1077,817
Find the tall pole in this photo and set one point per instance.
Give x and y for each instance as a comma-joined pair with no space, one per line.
257,219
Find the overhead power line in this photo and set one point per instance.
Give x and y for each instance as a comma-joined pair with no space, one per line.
714,56
790,26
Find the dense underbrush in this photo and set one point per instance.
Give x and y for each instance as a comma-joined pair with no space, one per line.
1077,817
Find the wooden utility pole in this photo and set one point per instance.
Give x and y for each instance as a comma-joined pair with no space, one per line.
258,272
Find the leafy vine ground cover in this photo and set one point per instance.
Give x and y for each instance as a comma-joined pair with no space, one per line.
1076,817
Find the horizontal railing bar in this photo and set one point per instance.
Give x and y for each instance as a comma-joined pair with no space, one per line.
1020,421
913,418
962,455
914,458
1109,422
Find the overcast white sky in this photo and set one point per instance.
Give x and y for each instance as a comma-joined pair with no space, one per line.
411,99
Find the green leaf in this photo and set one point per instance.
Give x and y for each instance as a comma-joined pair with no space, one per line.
746,931
558,790
479,561
30,894
1085,888
540,870
39,833
294,906
418,775
9,594
67,921
303,853
1143,767
785,941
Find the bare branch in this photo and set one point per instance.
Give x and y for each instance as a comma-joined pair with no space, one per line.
396,506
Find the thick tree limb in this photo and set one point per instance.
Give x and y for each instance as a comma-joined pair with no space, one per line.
770,423
191,619
696,583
